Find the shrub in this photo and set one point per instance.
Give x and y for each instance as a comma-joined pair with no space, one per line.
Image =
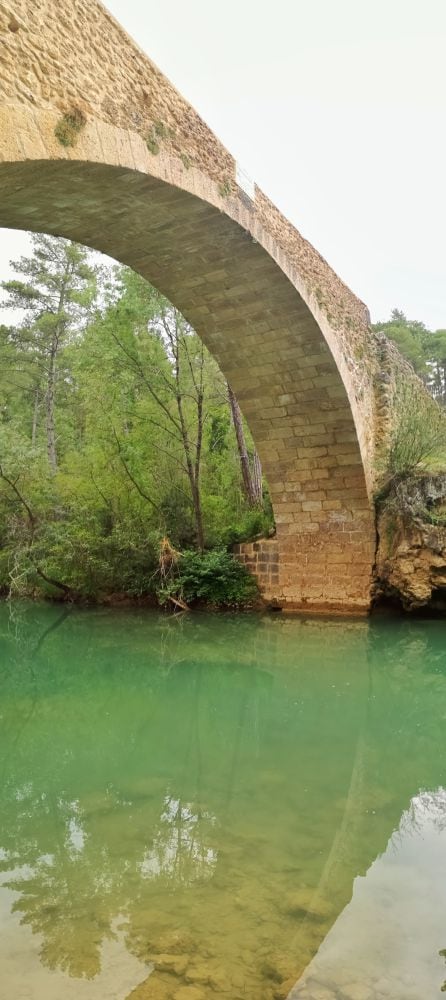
69,126
214,577
419,433
250,525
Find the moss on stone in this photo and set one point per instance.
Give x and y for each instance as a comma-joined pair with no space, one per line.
69,126
152,145
224,188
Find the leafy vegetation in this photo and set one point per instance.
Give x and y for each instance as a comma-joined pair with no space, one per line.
419,438
117,430
211,578
420,432
68,127
425,349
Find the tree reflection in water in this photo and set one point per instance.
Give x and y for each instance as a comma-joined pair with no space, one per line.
179,852
228,777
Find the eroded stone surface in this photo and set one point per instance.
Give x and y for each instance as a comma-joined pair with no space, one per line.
290,337
411,555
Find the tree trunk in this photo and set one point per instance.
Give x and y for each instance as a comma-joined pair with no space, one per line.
51,379
194,478
193,467
250,487
50,389
35,416
257,478
196,501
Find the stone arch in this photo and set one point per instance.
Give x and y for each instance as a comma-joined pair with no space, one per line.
209,251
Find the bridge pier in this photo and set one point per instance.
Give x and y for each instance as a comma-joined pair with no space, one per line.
321,572
96,145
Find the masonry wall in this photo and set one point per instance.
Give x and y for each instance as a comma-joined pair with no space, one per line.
147,182
397,389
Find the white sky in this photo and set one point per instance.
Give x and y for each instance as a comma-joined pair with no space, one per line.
337,108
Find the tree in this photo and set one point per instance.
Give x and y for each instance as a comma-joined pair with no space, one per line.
145,448
251,476
436,363
57,291
175,371
410,337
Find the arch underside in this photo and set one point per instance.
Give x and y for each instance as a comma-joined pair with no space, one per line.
266,341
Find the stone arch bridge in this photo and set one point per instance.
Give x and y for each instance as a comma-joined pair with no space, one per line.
97,146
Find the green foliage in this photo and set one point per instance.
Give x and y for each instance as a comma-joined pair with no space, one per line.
218,430
409,336
152,145
413,499
91,562
121,480
214,577
426,350
224,188
158,133
161,130
418,435
69,126
251,523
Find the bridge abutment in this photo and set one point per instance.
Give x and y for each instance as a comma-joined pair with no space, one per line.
97,145
328,571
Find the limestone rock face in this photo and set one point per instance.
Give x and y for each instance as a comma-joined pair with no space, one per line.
411,553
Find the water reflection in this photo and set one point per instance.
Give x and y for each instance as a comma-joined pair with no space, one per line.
179,851
387,942
202,794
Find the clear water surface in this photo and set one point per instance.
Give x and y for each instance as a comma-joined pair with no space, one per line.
234,806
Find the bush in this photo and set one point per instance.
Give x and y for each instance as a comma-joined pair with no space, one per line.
418,435
85,564
251,524
214,577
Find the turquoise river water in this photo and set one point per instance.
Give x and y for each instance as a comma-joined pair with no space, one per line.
234,806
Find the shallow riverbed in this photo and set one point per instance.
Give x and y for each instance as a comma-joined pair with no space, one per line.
229,806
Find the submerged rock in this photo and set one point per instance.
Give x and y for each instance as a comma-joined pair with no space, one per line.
155,987
281,969
206,974
189,993
306,902
177,942
177,964
282,991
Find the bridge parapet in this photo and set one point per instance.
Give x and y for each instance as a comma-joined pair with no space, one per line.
98,146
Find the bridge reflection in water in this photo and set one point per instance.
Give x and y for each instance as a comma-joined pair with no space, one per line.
202,797
388,941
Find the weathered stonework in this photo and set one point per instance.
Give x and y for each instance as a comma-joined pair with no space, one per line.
411,553
146,181
396,386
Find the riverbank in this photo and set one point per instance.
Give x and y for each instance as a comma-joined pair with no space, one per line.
410,569
409,575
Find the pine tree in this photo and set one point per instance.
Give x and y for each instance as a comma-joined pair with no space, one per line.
56,292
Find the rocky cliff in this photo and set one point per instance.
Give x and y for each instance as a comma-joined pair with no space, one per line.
411,552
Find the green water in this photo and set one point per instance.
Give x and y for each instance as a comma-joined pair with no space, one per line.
221,806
